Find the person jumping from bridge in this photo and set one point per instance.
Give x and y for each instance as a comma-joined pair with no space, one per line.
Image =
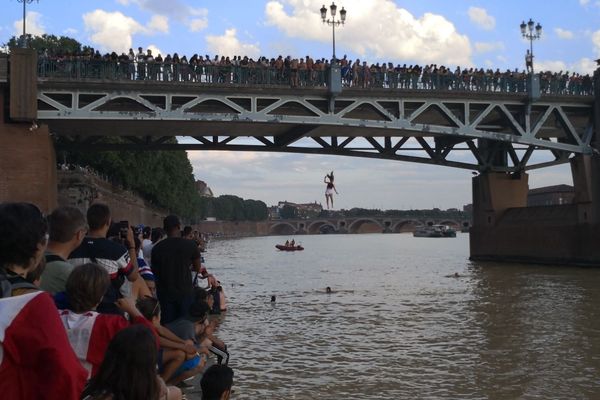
328,180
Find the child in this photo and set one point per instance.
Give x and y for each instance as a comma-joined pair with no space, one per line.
88,331
178,359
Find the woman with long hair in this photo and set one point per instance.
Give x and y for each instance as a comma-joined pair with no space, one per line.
328,180
128,371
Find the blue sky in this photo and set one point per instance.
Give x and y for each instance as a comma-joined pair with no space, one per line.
466,33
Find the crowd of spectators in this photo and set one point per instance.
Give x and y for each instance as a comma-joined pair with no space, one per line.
300,72
96,310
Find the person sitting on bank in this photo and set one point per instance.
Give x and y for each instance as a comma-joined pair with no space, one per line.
216,383
205,335
67,228
128,370
90,332
178,359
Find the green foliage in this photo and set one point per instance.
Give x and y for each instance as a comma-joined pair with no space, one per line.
54,44
233,208
163,177
288,212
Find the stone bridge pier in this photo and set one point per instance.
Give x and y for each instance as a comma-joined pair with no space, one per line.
505,229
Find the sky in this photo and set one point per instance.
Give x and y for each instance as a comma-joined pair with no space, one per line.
460,32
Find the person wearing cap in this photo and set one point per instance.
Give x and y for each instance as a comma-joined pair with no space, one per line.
170,262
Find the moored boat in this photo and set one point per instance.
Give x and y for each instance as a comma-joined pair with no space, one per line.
434,231
283,247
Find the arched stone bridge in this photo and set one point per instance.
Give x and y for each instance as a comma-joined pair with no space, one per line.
358,225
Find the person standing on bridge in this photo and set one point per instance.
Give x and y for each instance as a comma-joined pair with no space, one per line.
529,62
328,180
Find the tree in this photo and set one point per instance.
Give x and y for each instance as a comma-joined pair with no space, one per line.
163,177
54,44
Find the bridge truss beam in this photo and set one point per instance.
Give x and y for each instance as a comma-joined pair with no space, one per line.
413,128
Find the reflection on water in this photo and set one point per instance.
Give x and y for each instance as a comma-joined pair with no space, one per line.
398,327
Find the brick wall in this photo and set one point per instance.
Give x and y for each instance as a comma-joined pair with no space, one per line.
27,162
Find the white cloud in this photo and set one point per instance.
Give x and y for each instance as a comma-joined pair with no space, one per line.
197,24
70,31
481,18
376,29
113,31
198,20
34,24
563,33
582,66
584,2
596,42
229,45
155,50
159,23
550,65
195,18
486,47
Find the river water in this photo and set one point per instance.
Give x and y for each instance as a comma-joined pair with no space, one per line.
398,326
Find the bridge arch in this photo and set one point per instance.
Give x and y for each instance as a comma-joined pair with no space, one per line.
282,229
406,225
365,224
315,227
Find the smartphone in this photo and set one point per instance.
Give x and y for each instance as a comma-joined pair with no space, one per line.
123,228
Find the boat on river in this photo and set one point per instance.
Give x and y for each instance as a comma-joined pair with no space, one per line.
434,231
283,247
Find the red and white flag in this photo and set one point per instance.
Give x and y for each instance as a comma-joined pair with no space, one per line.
36,359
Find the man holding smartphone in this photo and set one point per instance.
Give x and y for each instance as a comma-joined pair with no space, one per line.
120,261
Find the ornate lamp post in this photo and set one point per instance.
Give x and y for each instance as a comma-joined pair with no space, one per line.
529,32
333,22
24,37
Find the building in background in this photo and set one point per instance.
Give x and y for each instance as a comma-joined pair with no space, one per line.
203,189
303,211
551,196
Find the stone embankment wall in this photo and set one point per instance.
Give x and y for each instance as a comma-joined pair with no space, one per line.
80,189
234,228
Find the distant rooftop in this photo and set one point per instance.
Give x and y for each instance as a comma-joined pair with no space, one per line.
552,189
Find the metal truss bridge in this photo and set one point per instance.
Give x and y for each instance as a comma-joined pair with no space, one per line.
463,129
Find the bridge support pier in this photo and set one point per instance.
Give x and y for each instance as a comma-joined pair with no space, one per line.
505,229
27,165
27,157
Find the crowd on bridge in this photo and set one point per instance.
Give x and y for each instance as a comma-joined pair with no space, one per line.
300,72
97,310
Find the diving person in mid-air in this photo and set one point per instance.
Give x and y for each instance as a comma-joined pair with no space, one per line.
328,180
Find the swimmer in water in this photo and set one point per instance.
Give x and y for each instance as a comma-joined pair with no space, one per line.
328,289
454,275
273,298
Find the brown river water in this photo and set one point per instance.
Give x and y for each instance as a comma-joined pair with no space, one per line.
398,325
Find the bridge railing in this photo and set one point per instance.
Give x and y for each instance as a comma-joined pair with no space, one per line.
512,82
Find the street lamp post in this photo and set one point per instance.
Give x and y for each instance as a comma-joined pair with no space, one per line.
334,83
333,22
24,37
530,32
